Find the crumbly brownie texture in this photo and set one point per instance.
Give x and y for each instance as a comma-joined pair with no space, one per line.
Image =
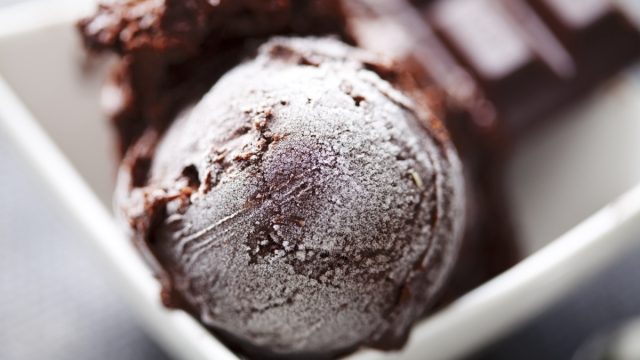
172,51
304,206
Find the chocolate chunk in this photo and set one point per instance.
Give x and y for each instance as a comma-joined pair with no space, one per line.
497,51
532,57
396,29
597,33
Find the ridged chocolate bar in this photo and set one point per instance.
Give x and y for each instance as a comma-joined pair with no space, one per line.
508,64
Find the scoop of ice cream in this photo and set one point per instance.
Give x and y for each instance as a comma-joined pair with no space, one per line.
303,206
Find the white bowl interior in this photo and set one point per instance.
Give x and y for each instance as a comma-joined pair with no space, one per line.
50,73
586,157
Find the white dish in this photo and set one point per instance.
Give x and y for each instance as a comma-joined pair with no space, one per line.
589,156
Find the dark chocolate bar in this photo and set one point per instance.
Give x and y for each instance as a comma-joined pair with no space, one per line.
598,35
533,56
498,53
396,29
510,63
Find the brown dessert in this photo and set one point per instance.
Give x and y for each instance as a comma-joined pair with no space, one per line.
303,206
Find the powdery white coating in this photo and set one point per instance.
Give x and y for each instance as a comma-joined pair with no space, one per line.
323,207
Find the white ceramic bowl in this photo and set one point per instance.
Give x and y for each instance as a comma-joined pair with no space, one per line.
558,180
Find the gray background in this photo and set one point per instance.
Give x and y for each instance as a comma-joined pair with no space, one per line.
54,303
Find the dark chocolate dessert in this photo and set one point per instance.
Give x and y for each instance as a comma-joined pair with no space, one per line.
304,205
303,197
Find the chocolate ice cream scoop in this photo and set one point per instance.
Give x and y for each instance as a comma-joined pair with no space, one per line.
304,206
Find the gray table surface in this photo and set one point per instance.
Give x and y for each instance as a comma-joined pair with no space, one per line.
54,303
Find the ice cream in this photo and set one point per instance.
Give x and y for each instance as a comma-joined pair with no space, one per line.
308,204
